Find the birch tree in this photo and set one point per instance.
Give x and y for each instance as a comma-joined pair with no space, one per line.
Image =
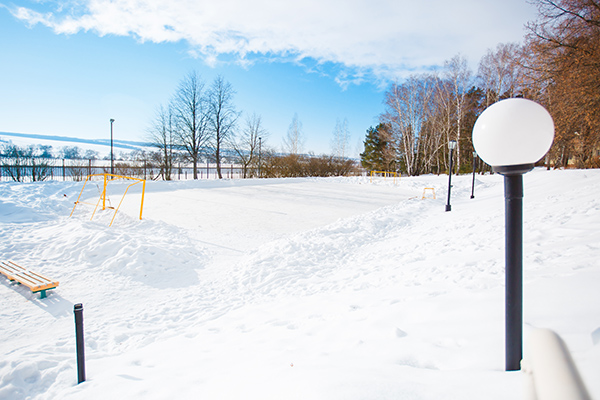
341,138
442,121
499,73
293,143
459,75
408,106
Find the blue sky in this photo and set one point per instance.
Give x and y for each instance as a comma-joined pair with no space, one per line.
68,67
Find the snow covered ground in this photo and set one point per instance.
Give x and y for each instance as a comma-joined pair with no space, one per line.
294,288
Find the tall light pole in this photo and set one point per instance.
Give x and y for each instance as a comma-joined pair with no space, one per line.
451,146
473,184
112,166
511,136
259,154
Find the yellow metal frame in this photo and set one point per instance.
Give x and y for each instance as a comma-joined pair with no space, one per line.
425,192
109,178
385,175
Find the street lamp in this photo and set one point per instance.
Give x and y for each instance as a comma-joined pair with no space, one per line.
473,184
112,166
511,136
451,146
259,154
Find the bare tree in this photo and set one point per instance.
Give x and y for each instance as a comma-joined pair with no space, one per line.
442,122
222,116
499,72
341,138
564,44
191,112
247,144
162,136
28,162
293,143
458,73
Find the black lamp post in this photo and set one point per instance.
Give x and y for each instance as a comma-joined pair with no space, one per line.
511,136
259,154
112,166
473,184
451,146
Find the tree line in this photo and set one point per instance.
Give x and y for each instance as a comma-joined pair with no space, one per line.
201,122
558,66
36,163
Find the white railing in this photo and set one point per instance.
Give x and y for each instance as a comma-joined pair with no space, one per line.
551,372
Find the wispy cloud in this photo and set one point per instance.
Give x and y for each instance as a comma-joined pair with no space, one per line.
376,37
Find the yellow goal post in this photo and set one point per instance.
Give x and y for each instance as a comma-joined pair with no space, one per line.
108,178
385,175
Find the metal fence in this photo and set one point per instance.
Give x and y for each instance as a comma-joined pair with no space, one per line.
76,170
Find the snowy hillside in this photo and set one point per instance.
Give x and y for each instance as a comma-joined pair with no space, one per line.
102,146
335,288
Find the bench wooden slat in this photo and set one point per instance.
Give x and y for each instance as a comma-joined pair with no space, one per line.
10,269
34,281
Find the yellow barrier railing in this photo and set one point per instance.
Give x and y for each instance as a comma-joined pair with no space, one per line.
109,178
385,174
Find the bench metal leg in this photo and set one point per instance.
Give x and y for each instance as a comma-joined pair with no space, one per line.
42,294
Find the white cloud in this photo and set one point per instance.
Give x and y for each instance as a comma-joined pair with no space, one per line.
379,36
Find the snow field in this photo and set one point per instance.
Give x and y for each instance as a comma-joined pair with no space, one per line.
299,288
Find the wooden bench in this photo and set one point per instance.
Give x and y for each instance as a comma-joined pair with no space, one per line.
34,281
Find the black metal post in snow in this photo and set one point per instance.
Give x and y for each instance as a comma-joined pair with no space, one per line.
112,167
513,204
473,184
64,172
448,206
78,311
513,194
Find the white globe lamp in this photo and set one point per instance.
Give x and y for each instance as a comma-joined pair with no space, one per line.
513,132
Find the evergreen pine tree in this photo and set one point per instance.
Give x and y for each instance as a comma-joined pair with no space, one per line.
373,158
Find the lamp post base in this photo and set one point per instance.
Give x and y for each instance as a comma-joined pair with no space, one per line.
448,207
